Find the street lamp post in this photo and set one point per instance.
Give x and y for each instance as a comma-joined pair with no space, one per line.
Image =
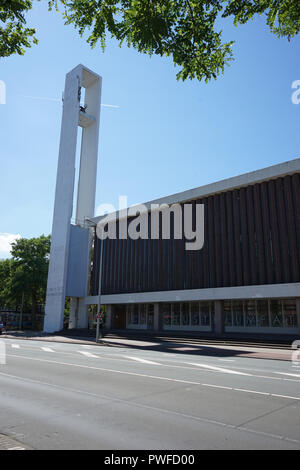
99,291
100,280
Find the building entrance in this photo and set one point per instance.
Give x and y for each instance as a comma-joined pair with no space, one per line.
120,317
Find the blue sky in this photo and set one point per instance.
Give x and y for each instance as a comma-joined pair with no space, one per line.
164,137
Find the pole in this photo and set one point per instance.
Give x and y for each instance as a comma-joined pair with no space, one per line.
97,328
99,288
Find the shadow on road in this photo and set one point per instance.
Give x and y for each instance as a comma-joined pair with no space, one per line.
204,345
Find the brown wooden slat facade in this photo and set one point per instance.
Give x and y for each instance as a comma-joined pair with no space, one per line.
252,237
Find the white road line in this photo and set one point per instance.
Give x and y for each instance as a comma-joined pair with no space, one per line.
226,360
47,349
16,448
147,376
15,346
87,354
282,396
218,369
144,361
160,410
286,373
252,391
217,386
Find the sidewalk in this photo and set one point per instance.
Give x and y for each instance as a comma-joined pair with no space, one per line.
205,346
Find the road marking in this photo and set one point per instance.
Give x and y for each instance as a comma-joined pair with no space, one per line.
88,354
286,373
16,448
226,360
218,369
156,409
251,391
217,386
135,374
281,396
47,349
15,346
144,361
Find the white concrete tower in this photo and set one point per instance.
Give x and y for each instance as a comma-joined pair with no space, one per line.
72,117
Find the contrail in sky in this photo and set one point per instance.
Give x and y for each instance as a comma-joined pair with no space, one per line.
45,98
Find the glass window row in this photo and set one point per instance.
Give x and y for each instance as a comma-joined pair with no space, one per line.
275,313
140,314
187,313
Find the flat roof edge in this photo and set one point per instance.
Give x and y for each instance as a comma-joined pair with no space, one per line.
235,182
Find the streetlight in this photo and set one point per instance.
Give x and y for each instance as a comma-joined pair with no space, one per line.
100,279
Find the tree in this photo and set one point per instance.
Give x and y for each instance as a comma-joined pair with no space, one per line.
5,283
186,30
14,35
30,270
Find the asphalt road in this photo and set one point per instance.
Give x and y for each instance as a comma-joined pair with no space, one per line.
75,396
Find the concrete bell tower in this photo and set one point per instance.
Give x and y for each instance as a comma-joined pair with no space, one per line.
73,116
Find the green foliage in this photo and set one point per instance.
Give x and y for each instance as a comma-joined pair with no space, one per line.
26,272
30,267
14,35
185,30
283,16
5,283
182,29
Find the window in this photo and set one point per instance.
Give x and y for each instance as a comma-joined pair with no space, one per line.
176,314
212,314
276,313
150,319
195,313
185,309
128,313
262,307
228,313
289,313
135,315
166,311
238,313
205,313
143,314
250,308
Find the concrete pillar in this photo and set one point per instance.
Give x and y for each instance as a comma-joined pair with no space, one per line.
55,299
156,323
83,321
219,318
73,116
108,321
73,312
89,151
298,313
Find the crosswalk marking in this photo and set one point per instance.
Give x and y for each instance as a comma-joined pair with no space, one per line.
88,354
144,361
218,369
15,346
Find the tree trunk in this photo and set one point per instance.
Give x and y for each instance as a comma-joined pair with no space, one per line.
34,310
